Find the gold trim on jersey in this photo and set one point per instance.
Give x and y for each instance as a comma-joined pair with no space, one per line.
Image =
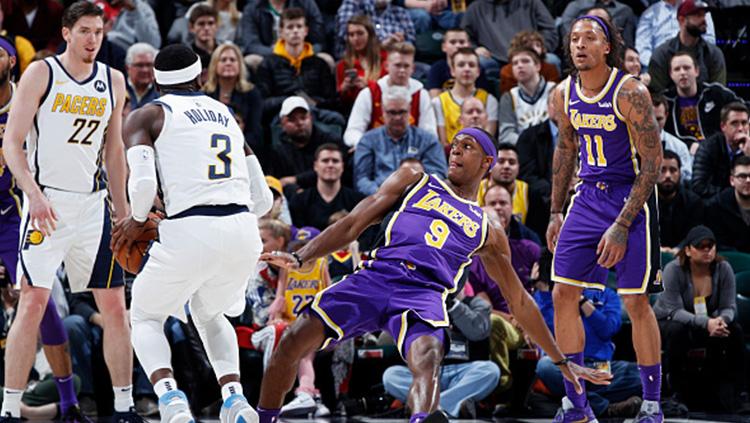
566,95
601,94
6,107
624,79
644,283
402,332
392,221
454,195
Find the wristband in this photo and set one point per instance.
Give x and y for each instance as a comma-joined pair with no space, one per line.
562,362
298,258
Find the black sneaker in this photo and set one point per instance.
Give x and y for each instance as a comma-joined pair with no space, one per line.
74,415
129,416
437,416
7,418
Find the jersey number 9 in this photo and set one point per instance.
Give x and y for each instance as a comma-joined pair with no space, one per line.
438,234
223,157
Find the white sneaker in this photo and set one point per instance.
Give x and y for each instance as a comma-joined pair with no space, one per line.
302,405
236,410
321,409
174,408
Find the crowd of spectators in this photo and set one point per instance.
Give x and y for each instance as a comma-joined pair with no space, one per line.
335,95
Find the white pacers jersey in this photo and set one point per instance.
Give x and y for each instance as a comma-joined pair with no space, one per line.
65,142
200,154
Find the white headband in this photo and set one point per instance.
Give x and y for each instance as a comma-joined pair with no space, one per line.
179,76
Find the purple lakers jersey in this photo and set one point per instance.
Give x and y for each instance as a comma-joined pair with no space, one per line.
10,195
607,154
434,232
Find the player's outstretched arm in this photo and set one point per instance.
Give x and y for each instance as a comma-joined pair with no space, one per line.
26,100
260,193
369,211
495,256
634,104
563,165
114,151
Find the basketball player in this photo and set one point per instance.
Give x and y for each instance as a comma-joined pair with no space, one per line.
209,243
70,116
610,223
432,230
53,334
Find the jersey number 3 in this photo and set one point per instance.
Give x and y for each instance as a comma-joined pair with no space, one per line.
223,156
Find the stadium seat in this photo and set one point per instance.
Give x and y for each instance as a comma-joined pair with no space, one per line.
666,257
742,281
740,261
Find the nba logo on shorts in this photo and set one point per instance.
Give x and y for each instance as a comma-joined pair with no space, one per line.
99,86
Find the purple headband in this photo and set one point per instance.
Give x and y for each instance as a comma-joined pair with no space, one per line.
596,19
481,137
7,46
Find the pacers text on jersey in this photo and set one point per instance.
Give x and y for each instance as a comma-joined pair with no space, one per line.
79,105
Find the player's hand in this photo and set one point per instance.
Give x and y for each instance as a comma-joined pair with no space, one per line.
553,230
280,259
42,215
611,248
573,372
125,233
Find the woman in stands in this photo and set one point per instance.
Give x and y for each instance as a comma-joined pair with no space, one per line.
697,312
227,82
363,60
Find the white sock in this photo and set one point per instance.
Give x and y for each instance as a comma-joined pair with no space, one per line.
12,402
162,386
229,389
123,398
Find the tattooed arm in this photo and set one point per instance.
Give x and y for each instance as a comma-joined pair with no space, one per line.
634,103
563,165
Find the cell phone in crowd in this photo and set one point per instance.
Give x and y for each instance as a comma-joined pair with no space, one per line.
351,73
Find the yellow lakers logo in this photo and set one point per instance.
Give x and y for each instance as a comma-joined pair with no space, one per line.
592,121
432,201
34,237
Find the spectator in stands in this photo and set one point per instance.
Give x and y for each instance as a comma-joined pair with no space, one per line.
466,374
698,309
261,290
447,106
525,104
439,77
430,14
392,22
363,60
692,18
680,209
294,69
367,112
632,65
658,24
280,208
473,113
202,25
228,20
315,205
729,214
713,160
39,21
505,173
533,40
292,159
601,312
139,63
694,106
621,16
536,146
227,82
136,22
381,150
25,51
669,141
507,335
491,26
260,27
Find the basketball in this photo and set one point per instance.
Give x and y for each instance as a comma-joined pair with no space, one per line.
131,261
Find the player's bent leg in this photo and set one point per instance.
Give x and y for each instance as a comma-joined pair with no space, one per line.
21,345
647,345
423,358
304,336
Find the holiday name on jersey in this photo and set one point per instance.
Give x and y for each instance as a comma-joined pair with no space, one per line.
204,115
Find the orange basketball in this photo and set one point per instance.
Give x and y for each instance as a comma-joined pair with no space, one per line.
132,262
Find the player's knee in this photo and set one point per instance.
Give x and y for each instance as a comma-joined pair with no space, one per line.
636,305
565,294
425,355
